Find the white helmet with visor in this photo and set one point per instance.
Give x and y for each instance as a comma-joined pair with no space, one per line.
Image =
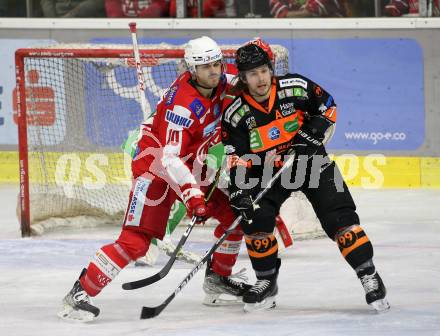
202,50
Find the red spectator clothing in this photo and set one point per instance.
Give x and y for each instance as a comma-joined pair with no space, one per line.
137,8
402,7
279,8
210,8
334,8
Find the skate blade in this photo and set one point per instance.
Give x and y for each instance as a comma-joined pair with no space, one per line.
266,304
73,315
381,306
216,300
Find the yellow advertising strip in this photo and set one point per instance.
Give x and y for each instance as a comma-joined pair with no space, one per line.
372,171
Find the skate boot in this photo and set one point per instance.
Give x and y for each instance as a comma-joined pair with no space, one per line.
77,305
375,290
262,295
222,290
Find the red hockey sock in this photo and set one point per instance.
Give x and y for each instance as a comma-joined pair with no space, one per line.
112,258
105,266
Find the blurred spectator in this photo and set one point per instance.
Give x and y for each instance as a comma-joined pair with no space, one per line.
363,8
12,8
404,7
260,8
211,8
310,8
137,8
400,7
72,8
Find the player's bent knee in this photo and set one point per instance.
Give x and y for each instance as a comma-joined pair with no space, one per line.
354,245
134,243
336,220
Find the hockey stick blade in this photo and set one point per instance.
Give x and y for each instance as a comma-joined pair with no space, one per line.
164,271
150,312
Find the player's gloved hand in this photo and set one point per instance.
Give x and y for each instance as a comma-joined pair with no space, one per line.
196,206
310,137
242,202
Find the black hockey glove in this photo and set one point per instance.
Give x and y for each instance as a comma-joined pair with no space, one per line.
310,136
241,201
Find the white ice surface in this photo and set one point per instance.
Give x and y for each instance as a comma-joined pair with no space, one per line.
319,293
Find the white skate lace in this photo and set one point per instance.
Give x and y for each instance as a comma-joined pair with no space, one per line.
81,297
260,286
240,275
370,282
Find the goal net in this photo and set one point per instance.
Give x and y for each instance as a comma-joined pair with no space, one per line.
75,105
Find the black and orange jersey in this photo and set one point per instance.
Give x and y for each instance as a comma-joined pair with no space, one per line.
252,128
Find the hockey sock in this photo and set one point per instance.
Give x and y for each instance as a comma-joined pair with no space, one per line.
263,252
224,258
354,245
112,258
105,266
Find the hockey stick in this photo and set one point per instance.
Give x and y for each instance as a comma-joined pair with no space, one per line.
165,270
149,312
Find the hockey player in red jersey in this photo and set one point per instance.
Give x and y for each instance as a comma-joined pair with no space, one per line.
169,165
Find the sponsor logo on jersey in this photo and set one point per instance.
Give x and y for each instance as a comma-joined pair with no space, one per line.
291,126
231,109
236,119
281,94
255,139
318,91
293,82
329,101
178,120
197,107
251,122
287,109
241,111
274,133
170,95
298,92
210,128
137,202
322,108
216,110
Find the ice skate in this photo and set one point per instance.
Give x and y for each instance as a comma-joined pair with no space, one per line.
375,290
262,295
222,290
77,305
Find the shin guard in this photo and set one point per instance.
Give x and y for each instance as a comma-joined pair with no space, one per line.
263,252
354,245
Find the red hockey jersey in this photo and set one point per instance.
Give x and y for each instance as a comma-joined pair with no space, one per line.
175,145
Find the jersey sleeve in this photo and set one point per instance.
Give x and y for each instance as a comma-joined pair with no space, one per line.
236,142
321,106
177,131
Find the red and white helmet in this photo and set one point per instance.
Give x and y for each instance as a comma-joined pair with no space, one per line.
202,50
265,46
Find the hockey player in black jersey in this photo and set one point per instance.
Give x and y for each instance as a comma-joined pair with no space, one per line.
269,118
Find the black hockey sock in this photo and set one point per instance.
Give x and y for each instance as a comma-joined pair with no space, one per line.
263,252
354,245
